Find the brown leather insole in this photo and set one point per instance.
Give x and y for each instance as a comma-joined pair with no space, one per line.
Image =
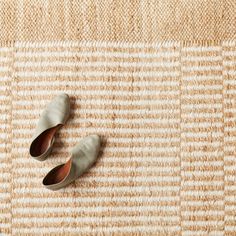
58,174
41,144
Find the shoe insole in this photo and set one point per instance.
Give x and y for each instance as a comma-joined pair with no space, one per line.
42,143
58,174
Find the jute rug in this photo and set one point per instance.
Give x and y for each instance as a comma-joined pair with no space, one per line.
157,81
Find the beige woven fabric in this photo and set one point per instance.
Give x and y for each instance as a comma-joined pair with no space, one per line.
157,80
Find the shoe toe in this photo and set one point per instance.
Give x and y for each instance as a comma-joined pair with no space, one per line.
90,146
63,99
93,142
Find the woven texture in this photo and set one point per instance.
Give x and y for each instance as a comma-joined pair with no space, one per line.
156,80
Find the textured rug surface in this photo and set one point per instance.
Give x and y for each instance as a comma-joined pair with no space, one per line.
156,80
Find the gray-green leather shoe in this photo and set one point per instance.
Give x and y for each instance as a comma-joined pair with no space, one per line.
83,157
52,119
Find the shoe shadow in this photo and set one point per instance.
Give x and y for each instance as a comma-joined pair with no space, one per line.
101,152
73,106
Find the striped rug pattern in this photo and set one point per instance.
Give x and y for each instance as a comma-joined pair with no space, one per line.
167,115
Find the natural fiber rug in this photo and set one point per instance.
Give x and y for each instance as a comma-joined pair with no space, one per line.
157,80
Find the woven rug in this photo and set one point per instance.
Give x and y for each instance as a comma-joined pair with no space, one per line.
156,80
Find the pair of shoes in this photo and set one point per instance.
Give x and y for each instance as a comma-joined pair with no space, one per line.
83,155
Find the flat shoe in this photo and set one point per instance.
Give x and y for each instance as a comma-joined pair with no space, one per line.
52,119
83,156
